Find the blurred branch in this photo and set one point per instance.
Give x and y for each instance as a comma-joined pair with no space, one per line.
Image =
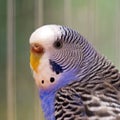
10,61
67,13
38,13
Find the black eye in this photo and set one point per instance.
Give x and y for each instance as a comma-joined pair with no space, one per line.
58,44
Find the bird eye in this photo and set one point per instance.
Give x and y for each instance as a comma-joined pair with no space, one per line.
58,44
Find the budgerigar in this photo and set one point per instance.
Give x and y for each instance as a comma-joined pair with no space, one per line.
75,82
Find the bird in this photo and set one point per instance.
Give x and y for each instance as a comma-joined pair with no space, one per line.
75,81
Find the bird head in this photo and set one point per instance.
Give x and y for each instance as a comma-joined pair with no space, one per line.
55,52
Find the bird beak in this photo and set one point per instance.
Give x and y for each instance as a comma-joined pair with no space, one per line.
36,52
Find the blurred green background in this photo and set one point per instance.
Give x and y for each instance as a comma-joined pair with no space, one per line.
97,20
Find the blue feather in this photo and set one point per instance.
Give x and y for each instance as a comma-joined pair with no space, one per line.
47,96
56,67
47,103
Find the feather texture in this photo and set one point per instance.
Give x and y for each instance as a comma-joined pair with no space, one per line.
95,97
75,81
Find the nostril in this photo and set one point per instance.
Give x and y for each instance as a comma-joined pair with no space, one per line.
37,48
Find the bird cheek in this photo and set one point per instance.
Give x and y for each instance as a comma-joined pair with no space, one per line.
40,82
45,78
44,82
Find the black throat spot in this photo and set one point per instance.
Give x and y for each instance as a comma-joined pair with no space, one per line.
56,67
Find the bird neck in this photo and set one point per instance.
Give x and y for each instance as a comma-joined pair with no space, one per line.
92,61
94,64
47,103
